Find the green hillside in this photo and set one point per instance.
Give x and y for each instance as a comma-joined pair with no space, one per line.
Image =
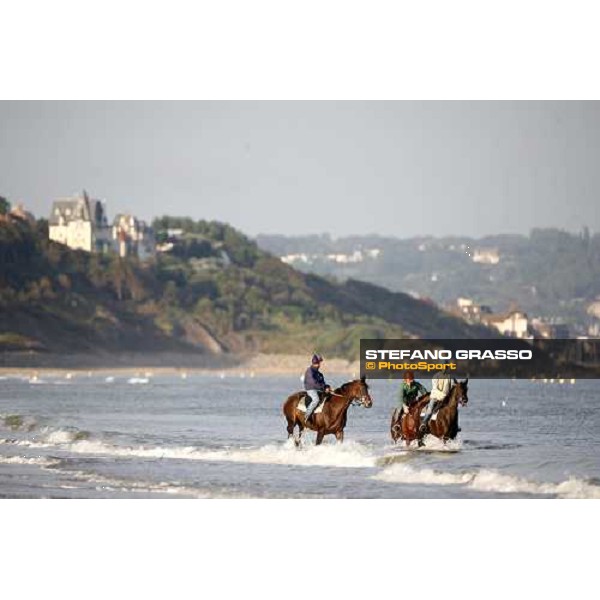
549,273
214,292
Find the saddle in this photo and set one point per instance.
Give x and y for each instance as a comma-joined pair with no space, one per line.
423,409
434,414
305,402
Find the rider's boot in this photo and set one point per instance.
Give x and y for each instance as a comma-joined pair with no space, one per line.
421,433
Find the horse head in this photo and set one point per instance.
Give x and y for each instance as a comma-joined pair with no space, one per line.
357,392
461,391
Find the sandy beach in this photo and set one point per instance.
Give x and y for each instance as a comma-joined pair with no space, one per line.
148,365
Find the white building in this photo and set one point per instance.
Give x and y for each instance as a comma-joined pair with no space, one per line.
486,256
291,259
471,311
513,324
80,223
132,237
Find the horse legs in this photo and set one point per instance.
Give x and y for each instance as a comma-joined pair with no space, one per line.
320,436
290,427
339,435
291,424
300,430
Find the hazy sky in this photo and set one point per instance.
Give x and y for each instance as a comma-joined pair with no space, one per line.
394,168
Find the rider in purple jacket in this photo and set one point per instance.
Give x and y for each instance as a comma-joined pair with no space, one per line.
314,382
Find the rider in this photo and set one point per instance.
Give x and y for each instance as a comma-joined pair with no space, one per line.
314,382
410,390
440,388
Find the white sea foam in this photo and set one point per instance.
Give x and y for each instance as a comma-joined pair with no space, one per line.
57,436
349,454
138,380
110,484
28,460
487,480
120,485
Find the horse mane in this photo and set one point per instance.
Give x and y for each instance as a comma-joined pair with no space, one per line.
445,401
344,387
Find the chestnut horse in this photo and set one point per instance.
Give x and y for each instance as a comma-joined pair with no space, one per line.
445,426
332,419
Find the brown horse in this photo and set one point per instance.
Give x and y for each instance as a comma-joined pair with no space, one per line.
332,419
445,426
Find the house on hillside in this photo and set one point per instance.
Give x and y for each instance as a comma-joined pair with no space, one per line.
17,213
81,223
471,311
486,256
549,329
132,237
514,323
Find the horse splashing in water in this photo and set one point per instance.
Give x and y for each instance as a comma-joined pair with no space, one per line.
332,419
444,426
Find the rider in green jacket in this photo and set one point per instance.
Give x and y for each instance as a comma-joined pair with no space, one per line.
410,391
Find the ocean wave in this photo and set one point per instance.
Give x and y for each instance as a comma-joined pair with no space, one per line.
111,484
349,455
488,480
41,461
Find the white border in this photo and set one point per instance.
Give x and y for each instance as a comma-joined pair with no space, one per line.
326,49
295,549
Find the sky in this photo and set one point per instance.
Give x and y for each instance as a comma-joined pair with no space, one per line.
392,168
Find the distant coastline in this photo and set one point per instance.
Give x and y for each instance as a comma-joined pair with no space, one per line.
166,363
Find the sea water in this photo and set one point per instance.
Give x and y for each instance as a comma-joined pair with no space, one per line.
224,436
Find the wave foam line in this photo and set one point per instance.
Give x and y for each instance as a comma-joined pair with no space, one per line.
109,484
28,460
487,480
350,454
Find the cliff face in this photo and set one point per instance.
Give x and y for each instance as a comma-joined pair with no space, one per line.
215,293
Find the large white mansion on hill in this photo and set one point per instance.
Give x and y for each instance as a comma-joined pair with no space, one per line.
81,223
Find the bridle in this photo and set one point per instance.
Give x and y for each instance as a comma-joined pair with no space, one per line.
462,399
363,399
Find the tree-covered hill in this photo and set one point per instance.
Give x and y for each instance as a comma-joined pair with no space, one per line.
548,273
214,292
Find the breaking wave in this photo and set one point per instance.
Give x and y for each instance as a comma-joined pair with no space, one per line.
350,454
110,484
28,460
387,464
487,480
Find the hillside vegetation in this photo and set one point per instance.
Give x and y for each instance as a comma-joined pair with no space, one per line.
549,273
215,292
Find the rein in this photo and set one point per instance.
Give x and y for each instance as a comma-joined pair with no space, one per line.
353,400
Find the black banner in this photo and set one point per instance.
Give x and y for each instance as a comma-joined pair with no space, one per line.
484,358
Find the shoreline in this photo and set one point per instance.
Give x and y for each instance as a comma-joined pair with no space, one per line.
258,364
